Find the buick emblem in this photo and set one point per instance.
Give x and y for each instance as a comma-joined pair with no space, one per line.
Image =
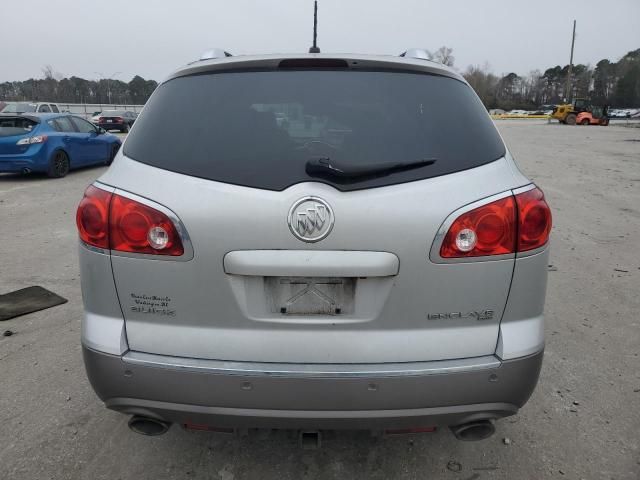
310,219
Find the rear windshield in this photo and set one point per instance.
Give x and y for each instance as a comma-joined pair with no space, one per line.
113,113
12,126
20,107
260,129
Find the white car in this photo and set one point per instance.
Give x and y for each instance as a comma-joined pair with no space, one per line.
31,107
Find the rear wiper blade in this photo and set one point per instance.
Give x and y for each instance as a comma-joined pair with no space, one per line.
325,166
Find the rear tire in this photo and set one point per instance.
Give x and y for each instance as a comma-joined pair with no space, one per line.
112,154
58,165
126,129
570,119
584,122
604,122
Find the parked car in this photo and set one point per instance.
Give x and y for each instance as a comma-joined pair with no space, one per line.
376,262
95,117
52,143
31,107
121,120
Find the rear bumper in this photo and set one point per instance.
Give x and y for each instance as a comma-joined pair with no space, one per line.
17,163
113,126
237,397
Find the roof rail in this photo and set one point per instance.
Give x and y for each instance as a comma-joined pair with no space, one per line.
214,53
420,53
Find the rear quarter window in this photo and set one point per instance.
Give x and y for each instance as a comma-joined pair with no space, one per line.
62,124
259,129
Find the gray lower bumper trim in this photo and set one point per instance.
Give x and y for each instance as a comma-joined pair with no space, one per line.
223,417
217,367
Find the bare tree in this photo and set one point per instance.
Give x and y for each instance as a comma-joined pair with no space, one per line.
444,55
483,82
48,72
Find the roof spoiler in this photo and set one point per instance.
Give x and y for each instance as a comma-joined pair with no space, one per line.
28,115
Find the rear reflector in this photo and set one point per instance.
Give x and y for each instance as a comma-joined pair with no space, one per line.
206,428
107,220
404,431
512,224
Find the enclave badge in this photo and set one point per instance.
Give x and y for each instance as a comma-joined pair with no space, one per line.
478,315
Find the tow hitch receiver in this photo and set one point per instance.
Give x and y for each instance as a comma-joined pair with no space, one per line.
310,439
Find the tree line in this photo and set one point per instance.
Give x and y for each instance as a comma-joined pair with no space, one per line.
612,83
52,88
608,83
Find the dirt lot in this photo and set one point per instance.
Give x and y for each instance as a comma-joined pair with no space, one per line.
583,420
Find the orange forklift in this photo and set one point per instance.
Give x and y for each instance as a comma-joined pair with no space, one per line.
581,112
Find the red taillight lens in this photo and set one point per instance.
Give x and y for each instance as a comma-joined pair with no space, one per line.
138,228
515,223
534,220
107,220
487,230
92,217
118,119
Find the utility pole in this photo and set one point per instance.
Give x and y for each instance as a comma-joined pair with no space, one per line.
568,87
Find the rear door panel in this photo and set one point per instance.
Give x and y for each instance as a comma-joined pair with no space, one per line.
196,309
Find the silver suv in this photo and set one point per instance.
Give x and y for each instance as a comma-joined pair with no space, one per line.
314,242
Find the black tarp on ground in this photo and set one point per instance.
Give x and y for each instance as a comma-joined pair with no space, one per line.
27,300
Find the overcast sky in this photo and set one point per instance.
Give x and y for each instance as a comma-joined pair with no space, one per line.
153,37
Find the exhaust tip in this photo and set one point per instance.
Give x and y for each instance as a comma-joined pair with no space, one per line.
148,426
473,431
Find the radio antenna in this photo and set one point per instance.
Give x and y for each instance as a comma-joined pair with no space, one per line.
314,48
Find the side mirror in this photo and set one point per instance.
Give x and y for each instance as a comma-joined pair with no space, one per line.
100,131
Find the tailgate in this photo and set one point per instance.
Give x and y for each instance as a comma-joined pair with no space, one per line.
367,293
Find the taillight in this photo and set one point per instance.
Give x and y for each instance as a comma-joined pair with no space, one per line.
92,217
118,119
32,140
136,227
534,220
112,221
515,223
486,230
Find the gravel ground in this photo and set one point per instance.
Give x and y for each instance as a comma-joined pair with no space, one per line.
582,422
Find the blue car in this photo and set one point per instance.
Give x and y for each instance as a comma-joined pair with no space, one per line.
52,143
